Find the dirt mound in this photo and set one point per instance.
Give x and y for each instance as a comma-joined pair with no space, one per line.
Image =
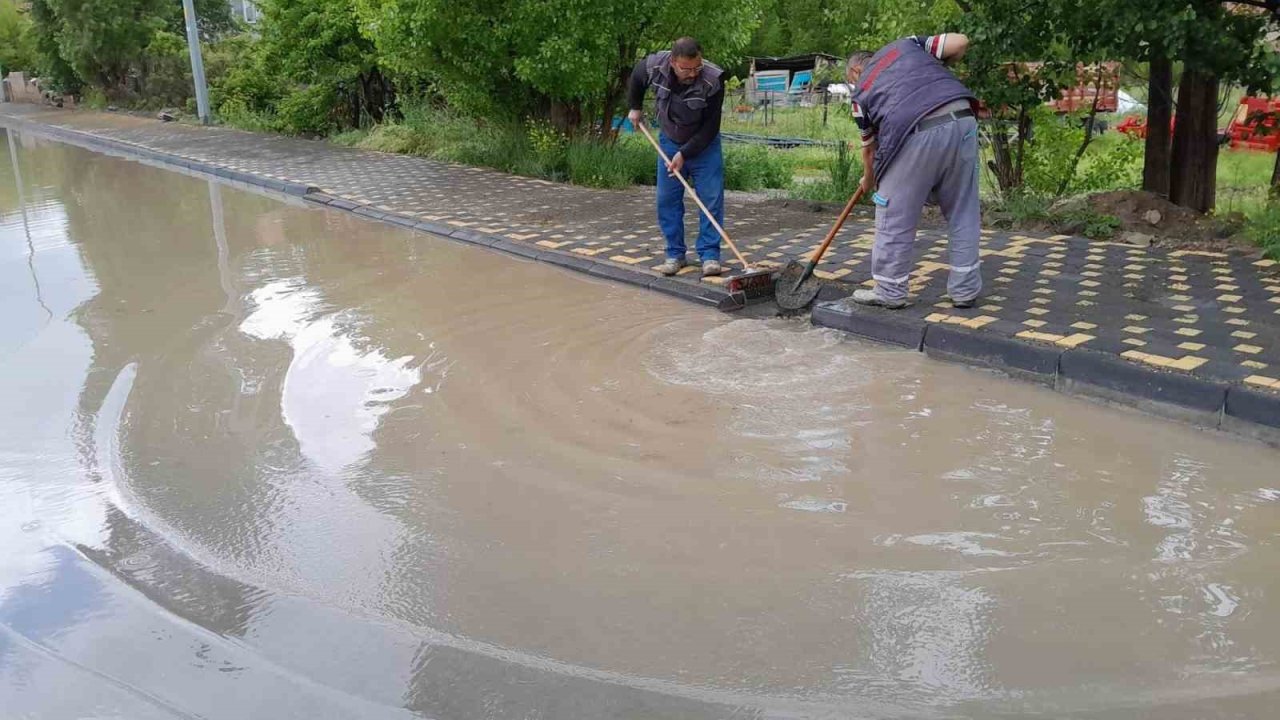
1144,212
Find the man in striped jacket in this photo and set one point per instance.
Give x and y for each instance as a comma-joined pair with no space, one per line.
919,141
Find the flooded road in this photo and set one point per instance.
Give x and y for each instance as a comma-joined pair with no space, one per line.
264,460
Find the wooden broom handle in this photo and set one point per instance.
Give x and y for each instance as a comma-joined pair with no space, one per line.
745,265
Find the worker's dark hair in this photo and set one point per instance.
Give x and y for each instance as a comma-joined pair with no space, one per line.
686,47
859,57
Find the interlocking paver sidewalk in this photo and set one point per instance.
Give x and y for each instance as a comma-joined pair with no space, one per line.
1210,316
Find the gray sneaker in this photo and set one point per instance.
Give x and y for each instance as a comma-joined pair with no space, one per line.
711,267
672,266
871,297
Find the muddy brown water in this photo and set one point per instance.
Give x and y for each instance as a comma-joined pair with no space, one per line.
265,460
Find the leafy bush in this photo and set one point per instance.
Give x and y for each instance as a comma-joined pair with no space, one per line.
1018,209
1028,210
167,77
1093,225
844,172
629,161
1264,228
246,93
549,148
17,39
754,167
308,111
1111,166
94,99
1051,158
237,113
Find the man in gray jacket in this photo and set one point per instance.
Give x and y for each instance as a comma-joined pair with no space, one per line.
919,140
690,96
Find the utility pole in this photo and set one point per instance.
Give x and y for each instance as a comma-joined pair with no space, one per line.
197,63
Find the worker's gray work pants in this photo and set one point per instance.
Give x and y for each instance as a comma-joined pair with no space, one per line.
941,160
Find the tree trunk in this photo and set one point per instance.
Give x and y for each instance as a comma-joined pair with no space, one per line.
617,87
1024,133
1007,155
1001,162
1156,163
1275,179
566,116
1089,124
1195,143
612,95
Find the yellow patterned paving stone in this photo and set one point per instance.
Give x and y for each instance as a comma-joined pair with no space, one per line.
1251,349
547,243
980,321
1191,346
1187,332
1263,381
1137,330
1186,363
1084,326
1039,336
1076,340
630,260
832,275
1134,342
1254,365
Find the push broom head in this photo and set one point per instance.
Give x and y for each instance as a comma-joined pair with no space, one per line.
754,285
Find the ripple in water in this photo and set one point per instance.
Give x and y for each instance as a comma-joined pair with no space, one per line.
795,388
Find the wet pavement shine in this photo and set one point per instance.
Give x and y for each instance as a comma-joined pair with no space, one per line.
266,460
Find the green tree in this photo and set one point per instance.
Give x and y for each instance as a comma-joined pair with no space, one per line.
870,24
841,26
105,43
17,39
564,59
56,72
797,27
1216,43
317,48
1005,35
104,40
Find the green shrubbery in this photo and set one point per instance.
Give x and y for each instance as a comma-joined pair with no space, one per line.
537,149
1264,229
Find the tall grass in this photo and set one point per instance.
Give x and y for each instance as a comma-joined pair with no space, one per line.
537,150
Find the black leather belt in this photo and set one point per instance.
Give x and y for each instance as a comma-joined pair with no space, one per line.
934,122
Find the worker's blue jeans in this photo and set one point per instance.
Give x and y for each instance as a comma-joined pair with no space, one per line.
706,173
